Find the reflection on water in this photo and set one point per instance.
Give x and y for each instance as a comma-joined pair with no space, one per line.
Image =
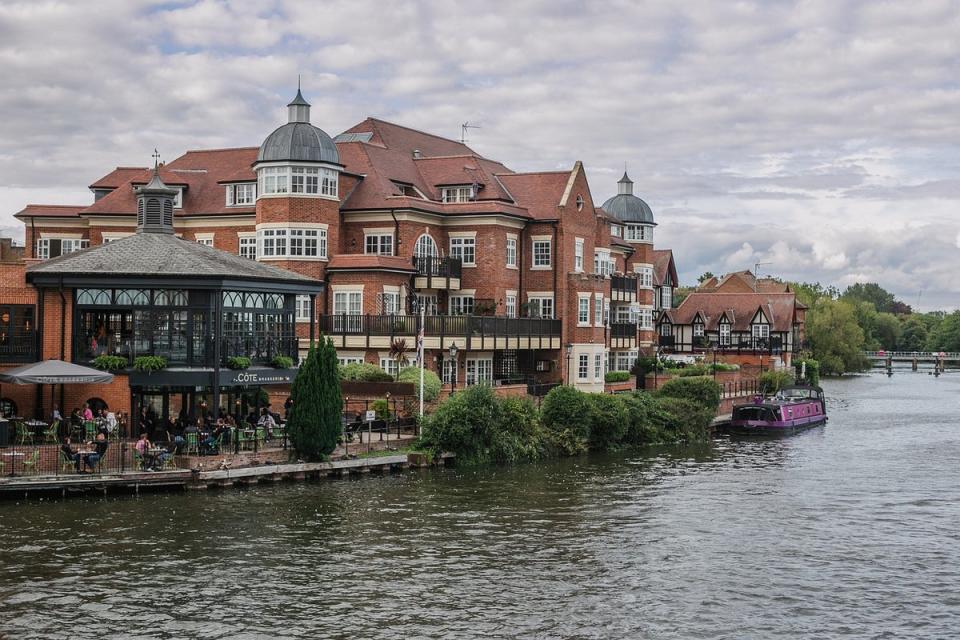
848,530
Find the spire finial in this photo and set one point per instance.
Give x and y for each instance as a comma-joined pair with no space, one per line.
298,83
156,158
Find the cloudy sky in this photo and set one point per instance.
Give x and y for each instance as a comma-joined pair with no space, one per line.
821,139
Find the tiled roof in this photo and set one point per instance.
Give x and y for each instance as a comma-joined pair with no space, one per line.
144,254
369,262
50,210
743,282
450,170
540,193
118,177
662,265
739,308
400,138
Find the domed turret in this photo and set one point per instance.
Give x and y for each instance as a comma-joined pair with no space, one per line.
155,206
298,140
628,207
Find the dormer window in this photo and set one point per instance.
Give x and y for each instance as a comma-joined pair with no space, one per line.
698,329
616,231
724,334
178,199
760,331
458,193
241,194
407,190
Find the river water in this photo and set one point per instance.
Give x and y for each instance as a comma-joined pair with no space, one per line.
850,530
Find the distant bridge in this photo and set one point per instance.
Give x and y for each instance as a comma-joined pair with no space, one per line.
910,356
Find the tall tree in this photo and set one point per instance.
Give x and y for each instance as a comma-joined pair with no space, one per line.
914,333
835,337
871,292
314,423
946,337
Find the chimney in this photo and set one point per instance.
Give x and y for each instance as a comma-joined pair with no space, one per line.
416,154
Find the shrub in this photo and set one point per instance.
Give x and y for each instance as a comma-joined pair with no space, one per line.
723,366
772,381
616,376
382,407
431,383
701,390
640,427
239,362
677,419
282,362
520,435
149,363
813,370
693,370
464,424
314,421
110,363
564,414
364,372
608,421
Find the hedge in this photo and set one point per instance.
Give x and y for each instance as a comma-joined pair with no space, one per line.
772,381
364,372
431,382
616,376
702,390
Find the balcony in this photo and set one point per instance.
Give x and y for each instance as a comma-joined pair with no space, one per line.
623,288
477,333
437,273
623,335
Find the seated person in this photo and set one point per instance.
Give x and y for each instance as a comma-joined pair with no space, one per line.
143,447
99,451
70,454
267,422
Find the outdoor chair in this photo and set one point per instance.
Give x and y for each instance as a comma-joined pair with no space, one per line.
170,464
66,464
261,436
138,460
24,435
30,464
50,434
90,429
193,445
244,440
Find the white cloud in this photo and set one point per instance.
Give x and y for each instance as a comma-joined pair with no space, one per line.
818,136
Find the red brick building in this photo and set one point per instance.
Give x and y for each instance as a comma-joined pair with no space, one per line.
523,275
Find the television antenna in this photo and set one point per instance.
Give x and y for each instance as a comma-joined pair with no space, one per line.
756,267
464,130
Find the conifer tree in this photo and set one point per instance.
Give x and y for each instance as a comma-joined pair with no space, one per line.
314,422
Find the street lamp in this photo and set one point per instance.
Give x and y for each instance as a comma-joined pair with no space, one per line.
569,351
453,367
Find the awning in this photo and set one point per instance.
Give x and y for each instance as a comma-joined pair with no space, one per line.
55,372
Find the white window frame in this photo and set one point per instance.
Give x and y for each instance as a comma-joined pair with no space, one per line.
460,305
583,366
349,303
578,255
544,301
646,319
541,259
478,371
598,366
74,244
724,334
391,302
292,243
299,180
598,310
760,331
303,308
247,246
378,243
583,309
638,233
511,251
243,194
510,305
426,247
456,193
698,330
463,247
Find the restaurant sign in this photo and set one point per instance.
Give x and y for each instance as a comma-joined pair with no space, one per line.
268,376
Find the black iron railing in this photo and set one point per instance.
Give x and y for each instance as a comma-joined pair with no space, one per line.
433,266
623,284
442,326
623,330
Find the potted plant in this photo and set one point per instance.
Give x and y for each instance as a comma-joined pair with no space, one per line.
109,363
149,364
238,362
282,362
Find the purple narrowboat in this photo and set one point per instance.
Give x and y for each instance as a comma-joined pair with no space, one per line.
793,409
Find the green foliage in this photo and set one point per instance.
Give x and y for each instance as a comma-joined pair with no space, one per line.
110,363
431,382
772,381
282,362
147,364
872,293
398,353
644,365
914,333
616,376
563,413
313,425
836,340
608,420
679,420
812,370
364,372
239,362
257,398
701,390
480,428
706,275
946,335
382,407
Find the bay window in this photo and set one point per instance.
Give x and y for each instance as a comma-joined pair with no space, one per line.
304,180
292,243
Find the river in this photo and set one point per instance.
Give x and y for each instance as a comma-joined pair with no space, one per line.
850,530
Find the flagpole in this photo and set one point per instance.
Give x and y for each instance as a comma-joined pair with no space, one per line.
423,364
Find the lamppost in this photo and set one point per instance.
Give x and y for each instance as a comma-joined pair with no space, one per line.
714,365
453,367
656,366
569,351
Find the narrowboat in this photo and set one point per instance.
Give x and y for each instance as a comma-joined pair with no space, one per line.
792,409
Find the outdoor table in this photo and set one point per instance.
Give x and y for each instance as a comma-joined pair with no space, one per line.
13,456
152,454
38,426
81,463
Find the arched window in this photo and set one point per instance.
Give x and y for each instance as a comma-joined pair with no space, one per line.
96,404
8,408
426,247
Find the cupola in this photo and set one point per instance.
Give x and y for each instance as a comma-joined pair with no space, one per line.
155,206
